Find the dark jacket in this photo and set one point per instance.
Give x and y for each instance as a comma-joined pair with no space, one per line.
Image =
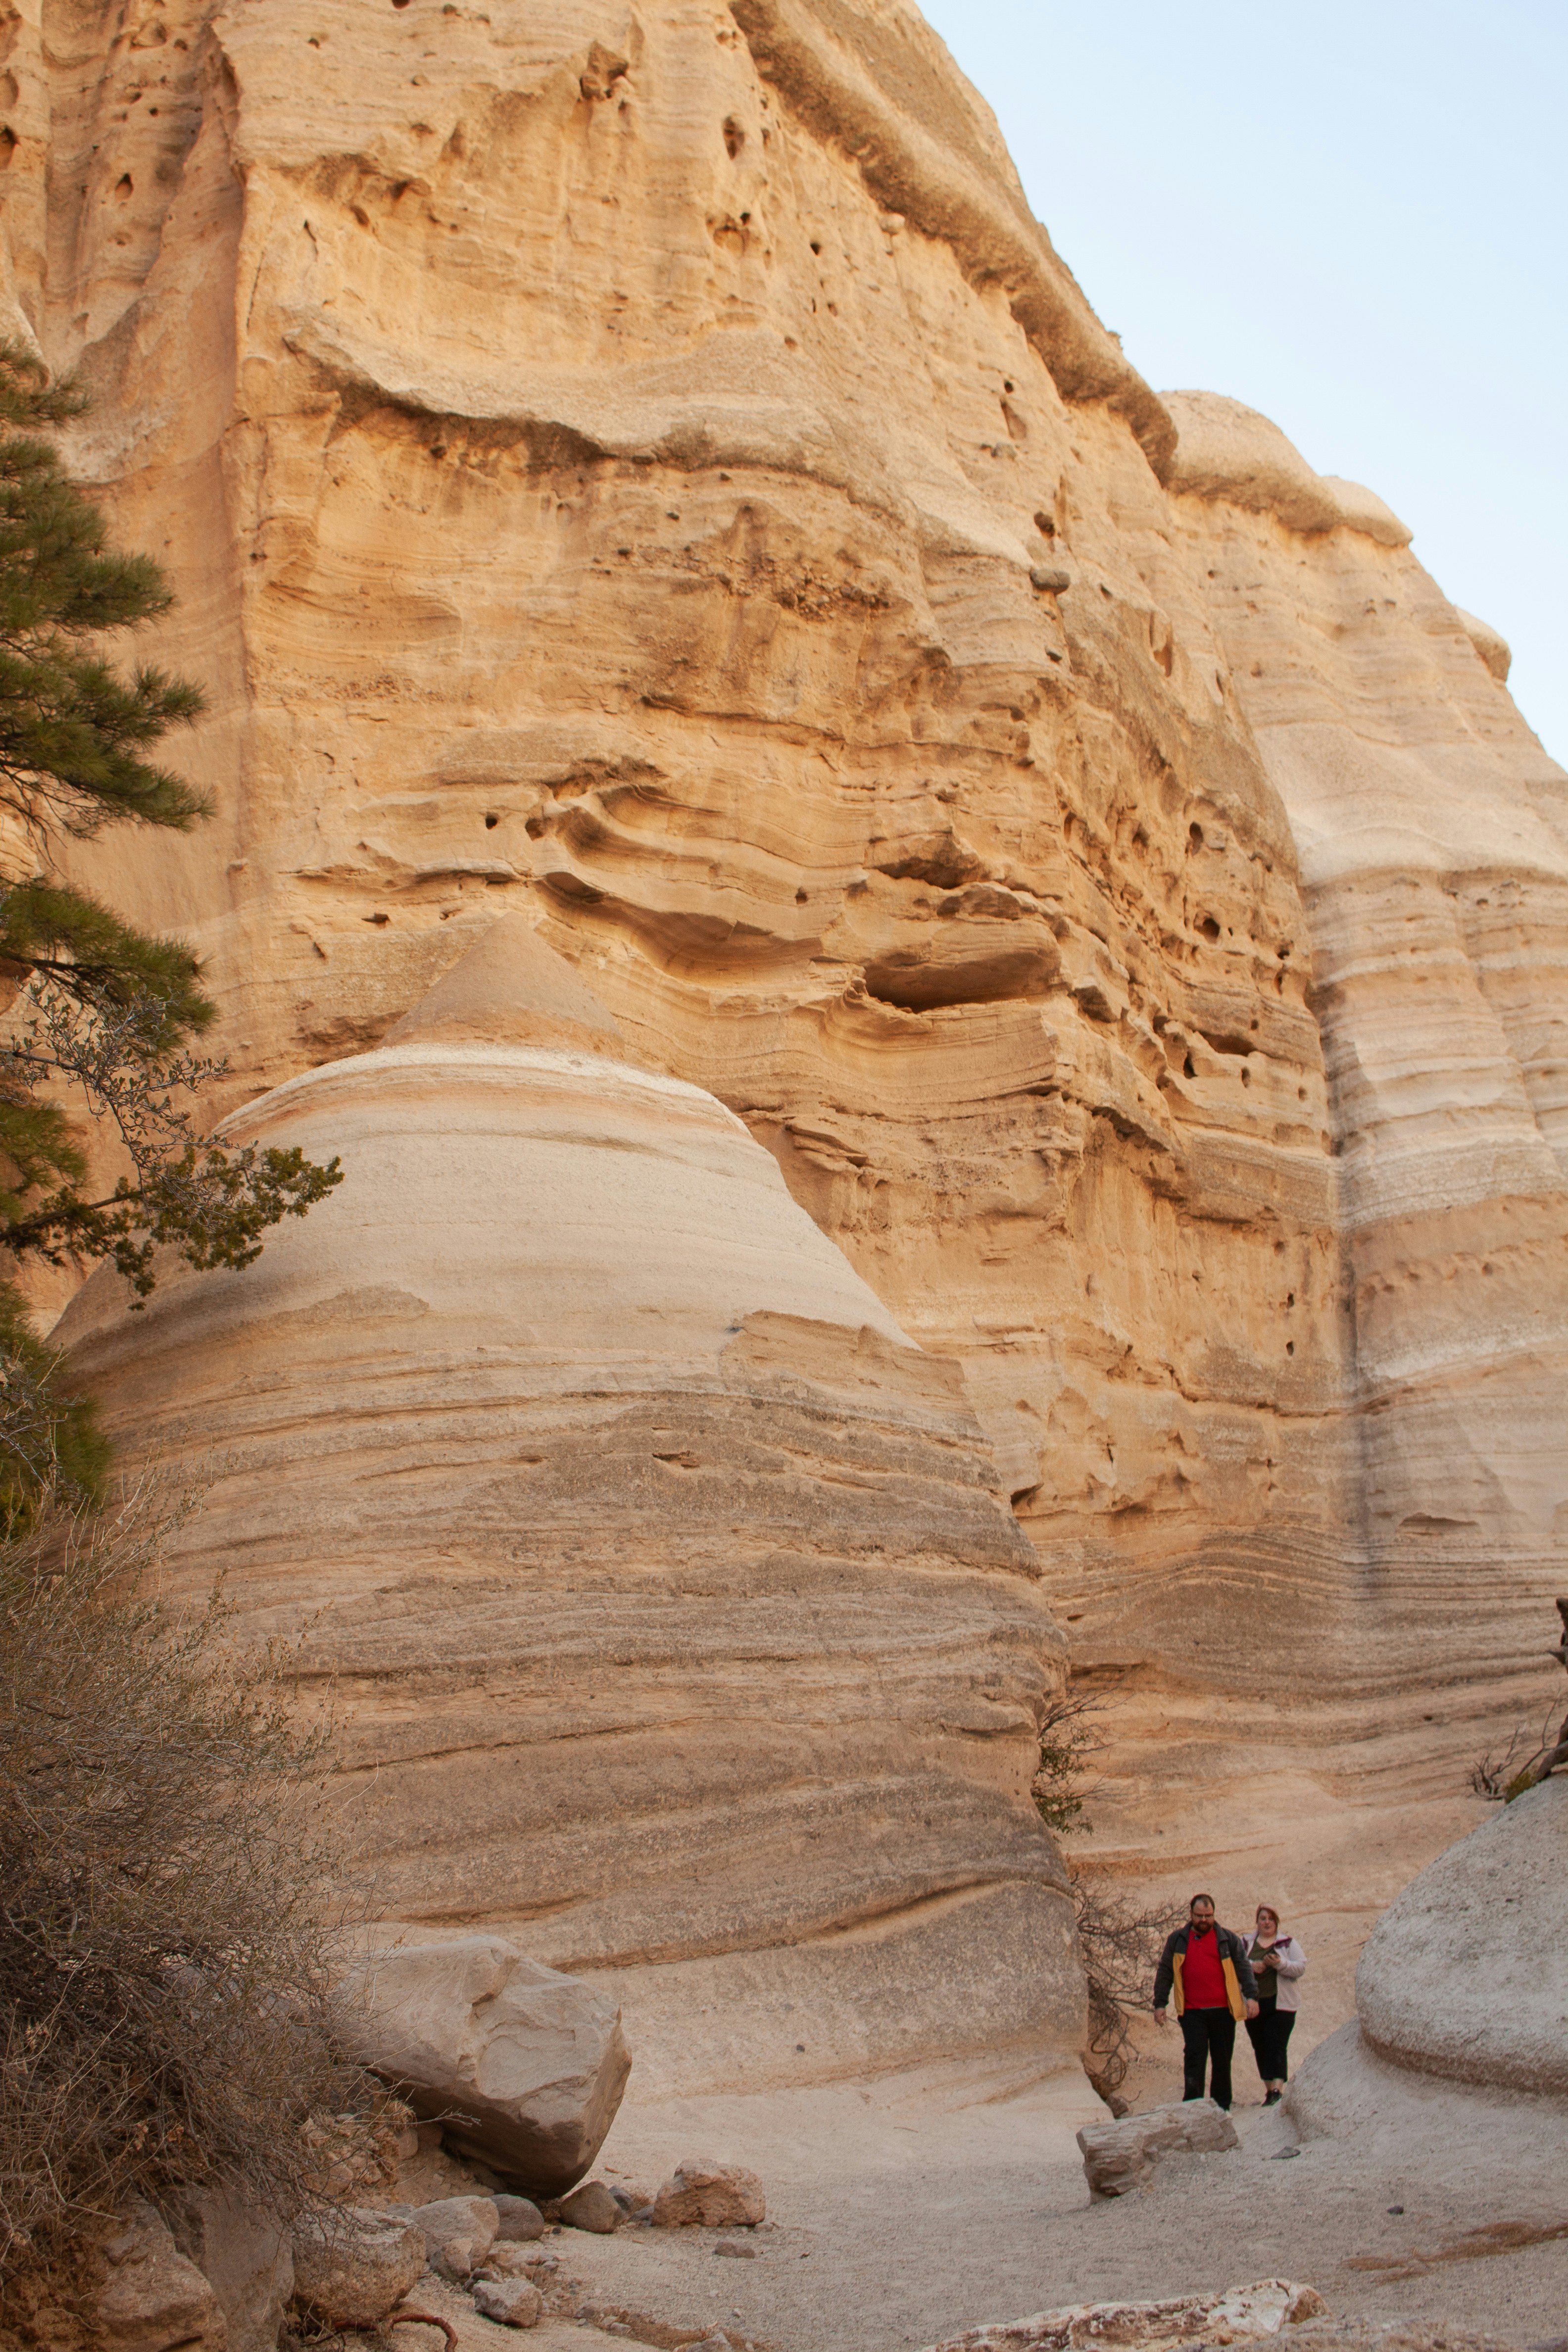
1241,1985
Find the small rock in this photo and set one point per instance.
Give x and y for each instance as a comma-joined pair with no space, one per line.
703,2194
505,2261
511,2302
352,2267
458,2233
151,2297
520,2219
632,2201
733,2246
1050,579
591,2207
1117,2156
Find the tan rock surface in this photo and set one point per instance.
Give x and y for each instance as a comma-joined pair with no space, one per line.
663,1588
151,2298
353,2264
607,454
1431,833
1464,1975
523,2067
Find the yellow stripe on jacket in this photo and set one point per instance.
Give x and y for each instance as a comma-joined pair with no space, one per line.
1232,1984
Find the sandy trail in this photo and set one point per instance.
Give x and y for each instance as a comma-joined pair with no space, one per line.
903,2211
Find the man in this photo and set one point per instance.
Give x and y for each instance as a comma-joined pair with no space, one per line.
1215,1988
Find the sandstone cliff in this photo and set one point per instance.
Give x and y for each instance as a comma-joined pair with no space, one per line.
647,461
669,1607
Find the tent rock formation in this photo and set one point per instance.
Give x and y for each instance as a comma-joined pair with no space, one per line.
650,461
675,1621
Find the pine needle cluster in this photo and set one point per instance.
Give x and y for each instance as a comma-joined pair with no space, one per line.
100,1155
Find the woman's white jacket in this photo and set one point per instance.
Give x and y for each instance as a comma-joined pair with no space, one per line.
1290,1962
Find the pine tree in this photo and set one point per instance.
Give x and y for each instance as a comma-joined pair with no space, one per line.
102,1016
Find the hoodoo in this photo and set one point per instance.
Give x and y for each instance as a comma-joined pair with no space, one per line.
678,1624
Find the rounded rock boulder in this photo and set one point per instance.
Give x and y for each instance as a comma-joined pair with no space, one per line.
1460,1976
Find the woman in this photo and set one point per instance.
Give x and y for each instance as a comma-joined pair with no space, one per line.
1278,1961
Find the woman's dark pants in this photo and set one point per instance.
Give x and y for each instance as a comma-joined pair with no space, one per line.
1207,2035
1270,2032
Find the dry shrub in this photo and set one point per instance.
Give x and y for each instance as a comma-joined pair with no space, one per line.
1120,1946
1066,1744
164,1841
1120,1949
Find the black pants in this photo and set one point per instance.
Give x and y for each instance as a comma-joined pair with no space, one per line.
1270,2032
1209,2035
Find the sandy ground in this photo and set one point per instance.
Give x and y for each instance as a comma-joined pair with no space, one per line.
904,2211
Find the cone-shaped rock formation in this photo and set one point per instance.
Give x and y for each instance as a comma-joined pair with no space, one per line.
676,1619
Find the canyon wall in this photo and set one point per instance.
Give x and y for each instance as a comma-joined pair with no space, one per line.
645,465
663,1594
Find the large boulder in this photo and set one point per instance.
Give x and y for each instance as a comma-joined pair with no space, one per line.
153,2298
1464,1975
1462,2036
522,2066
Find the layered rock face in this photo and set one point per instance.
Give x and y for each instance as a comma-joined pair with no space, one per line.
1431,834
668,1604
646,459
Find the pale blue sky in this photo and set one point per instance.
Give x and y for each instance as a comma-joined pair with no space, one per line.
1354,218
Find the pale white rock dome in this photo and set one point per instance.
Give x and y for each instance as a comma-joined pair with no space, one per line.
1466,1974
673,1611
1460,2047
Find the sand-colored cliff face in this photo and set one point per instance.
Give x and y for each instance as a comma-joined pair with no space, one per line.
1432,835
590,482
673,1617
646,458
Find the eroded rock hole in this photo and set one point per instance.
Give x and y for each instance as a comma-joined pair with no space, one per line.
1209,927
734,137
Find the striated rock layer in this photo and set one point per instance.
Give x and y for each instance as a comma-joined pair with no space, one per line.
649,459
666,1597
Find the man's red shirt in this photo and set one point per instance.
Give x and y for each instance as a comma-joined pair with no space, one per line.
1203,1978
